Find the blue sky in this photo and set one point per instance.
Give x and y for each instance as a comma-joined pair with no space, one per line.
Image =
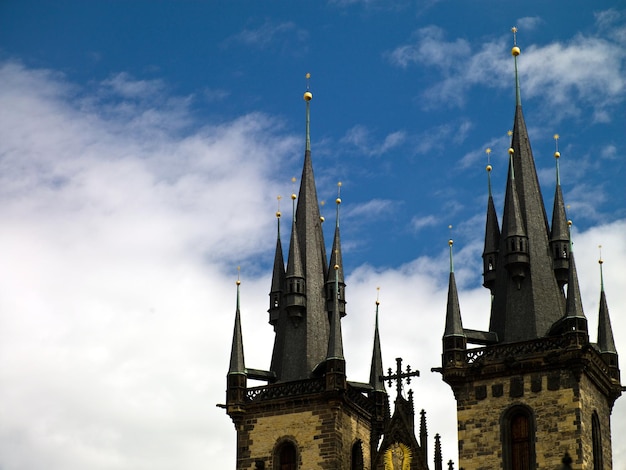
142,147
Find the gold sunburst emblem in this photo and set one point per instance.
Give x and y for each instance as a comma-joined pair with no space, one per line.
398,457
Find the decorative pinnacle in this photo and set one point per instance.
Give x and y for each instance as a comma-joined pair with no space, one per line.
308,96
600,262
338,200
377,294
278,213
238,282
557,155
488,152
450,243
322,204
293,188
516,50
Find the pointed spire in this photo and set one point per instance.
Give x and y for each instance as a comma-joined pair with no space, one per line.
574,305
336,260
606,343
454,326
237,362
376,367
278,275
492,236
424,435
296,297
335,341
527,300
559,237
438,456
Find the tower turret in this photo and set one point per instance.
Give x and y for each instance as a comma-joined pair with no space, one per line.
559,238
606,343
236,380
454,339
278,276
336,260
492,237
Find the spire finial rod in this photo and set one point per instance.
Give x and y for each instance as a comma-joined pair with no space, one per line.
238,282
557,155
293,199
450,243
308,96
515,51
601,262
338,201
488,168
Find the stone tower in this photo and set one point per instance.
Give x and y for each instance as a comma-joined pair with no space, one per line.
536,387
307,415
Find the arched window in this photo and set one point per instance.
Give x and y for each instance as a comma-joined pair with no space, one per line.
286,456
518,438
356,462
596,437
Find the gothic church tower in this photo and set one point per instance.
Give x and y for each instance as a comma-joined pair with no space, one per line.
536,388
307,415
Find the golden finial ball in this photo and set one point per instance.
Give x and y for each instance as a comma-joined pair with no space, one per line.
511,151
557,154
293,196
377,302
308,96
336,267
569,223
489,168
322,219
278,214
515,51
338,200
450,242
238,282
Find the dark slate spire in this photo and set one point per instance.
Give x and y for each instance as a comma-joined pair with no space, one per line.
606,343
438,456
237,362
492,239
527,300
574,305
335,341
376,367
454,339
301,341
423,435
559,238
278,277
336,260
295,301
236,379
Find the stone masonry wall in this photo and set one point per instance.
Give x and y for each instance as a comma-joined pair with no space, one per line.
555,400
323,433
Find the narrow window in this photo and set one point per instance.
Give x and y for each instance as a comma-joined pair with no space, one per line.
287,457
518,438
596,437
356,462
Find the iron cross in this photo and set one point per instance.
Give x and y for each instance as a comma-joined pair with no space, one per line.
399,375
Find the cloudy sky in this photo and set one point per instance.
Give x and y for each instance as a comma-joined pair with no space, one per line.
142,147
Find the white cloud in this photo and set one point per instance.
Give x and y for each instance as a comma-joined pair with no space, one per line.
361,138
269,34
587,71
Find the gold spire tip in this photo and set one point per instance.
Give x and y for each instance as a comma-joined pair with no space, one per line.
377,295
557,154
278,198
488,152
238,272
308,96
569,223
511,151
600,261
509,132
516,50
